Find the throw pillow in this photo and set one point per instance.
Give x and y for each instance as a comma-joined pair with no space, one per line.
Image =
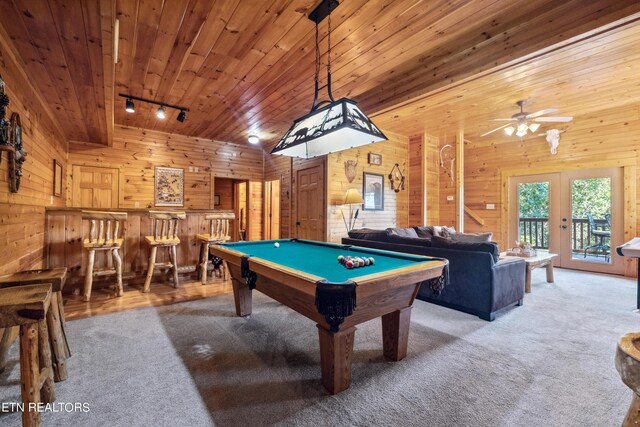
403,232
472,237
443,230
444,243
414,241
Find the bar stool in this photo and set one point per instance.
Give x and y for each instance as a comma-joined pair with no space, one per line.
165,235
55,315
628,366
218,233
26,307
103,239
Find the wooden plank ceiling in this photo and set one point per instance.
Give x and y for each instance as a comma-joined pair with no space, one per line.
246,67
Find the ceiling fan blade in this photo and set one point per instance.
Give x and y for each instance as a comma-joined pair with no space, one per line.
541,113
498,128
554,119
504,120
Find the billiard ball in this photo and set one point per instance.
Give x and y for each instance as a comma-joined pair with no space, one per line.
349,264
276,244
366,262
371,260
340,258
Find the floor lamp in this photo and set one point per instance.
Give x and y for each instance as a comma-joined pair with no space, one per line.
352,197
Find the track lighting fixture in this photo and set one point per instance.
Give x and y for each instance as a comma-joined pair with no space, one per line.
161,112
130,108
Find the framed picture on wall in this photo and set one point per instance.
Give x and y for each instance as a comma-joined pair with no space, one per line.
373,191
57,178
169,186
375,159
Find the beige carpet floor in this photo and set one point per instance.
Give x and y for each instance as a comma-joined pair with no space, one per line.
547,363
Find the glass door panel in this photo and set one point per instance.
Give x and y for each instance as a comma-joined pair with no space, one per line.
591,219
533,214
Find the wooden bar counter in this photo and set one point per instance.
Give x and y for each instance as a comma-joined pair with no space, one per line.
63,248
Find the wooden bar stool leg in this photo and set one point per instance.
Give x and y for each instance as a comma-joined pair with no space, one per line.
57,340
60,302
205,261
173,256
88,278
118,263
29,373
152,262
45,375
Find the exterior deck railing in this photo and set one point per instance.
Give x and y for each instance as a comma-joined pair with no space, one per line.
536,231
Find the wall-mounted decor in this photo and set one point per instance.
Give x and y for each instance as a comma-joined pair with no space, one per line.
17,154
373,191
57,178
216,200
350,169
396,178
375,159
169,186
4,124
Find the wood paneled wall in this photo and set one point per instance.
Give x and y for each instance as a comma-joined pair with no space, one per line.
609,136
424,170
136,152
396,205
22,225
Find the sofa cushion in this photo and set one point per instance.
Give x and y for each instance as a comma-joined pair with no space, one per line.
472,237
489,247
369,234
415,241
402,232
424,232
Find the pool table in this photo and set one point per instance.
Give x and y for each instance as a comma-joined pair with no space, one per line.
306,276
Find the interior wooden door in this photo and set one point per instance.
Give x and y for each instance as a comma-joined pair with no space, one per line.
94,187
310,203
272,209
240,208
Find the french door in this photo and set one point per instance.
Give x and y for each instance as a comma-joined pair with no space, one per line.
575,214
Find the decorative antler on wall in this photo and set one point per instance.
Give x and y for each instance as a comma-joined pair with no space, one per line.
396,178
553,139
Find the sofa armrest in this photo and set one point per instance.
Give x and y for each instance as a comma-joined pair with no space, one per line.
508,277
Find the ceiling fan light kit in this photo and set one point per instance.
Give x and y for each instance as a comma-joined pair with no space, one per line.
527,122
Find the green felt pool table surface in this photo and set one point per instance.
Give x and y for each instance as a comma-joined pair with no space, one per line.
321,259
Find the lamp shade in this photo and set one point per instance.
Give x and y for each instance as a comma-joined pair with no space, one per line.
353,197
338,126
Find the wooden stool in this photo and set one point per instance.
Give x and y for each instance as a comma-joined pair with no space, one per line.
103,239
628,365
165,235
218,233
26,306
55,315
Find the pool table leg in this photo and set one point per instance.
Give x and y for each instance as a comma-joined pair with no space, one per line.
395,333
242,297
336,349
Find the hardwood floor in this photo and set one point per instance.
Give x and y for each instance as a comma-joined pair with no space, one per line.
104,301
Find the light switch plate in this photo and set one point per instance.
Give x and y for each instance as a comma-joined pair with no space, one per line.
491,206
449,198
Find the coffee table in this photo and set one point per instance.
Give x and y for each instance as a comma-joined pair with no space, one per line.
542,259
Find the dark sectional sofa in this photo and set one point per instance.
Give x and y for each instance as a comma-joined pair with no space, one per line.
479,283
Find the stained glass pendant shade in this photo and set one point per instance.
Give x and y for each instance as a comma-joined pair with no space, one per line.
338,125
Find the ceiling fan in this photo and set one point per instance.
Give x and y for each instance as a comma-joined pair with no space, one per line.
523,122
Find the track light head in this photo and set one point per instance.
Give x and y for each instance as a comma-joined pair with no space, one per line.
161,113
130,108
182,115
